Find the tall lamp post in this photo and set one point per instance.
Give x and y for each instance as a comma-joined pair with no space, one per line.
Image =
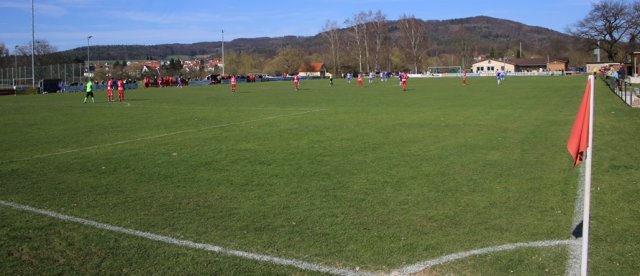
88,58
223,64
33,46
15,55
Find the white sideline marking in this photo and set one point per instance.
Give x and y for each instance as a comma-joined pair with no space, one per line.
574,260
160,136
415,268
186,243
461,255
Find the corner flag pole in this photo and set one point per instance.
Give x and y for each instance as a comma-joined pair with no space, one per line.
587,186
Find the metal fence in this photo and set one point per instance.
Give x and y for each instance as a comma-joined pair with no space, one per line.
625,90
22,76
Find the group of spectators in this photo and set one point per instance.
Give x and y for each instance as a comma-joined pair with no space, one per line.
614,75
159,82
247,78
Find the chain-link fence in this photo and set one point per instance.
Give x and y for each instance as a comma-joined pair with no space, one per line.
23,77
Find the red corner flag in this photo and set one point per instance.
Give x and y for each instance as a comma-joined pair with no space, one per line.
579,138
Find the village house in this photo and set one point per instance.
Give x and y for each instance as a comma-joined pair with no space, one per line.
492,65
150,65
316,69
520,65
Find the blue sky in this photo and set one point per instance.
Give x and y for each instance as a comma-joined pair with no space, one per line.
66,24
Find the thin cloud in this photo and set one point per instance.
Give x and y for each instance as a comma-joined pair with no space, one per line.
164,18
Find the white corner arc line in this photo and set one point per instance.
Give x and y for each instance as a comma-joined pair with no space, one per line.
415,268
160,136
411,269
186,243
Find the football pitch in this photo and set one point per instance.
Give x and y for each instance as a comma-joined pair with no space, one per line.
341,179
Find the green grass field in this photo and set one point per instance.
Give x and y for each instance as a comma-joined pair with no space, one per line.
368,178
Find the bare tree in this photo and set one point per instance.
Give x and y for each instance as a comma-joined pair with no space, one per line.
355,32
607,24
4,52
413,35
332,33
464,44
360,33
288,60
349,58
634,30
381,38
365,18
42,47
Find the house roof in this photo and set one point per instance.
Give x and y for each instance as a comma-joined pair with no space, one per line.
495,60
529,61
214,63
152,64
193,63
536,61
313,67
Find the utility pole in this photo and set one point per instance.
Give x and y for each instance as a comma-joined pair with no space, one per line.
520,51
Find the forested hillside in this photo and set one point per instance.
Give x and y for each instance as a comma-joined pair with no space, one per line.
366,42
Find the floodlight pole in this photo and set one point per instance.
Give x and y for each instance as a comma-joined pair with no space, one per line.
33,46
223,65
520,51
598,52
88,58
15,55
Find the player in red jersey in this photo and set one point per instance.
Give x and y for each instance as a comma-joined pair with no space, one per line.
110,90
404,81
359,79
296,82
121,90
233,84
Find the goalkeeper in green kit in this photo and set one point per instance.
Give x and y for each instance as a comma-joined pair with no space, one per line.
89,92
